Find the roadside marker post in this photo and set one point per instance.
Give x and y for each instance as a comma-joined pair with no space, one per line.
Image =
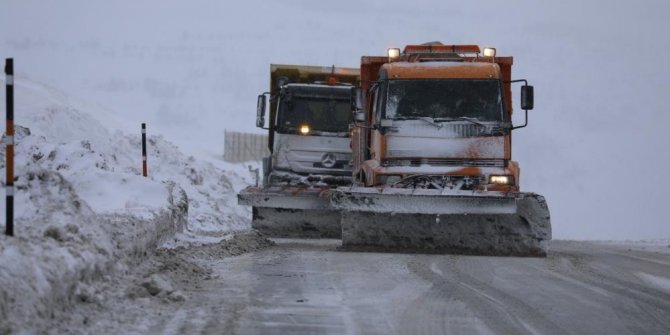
9,141
144,149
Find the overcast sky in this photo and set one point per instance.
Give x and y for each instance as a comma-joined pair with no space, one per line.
596,146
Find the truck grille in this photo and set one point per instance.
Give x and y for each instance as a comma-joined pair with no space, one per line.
338,165
445,162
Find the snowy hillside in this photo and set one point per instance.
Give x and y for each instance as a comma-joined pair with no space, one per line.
83,209
103,163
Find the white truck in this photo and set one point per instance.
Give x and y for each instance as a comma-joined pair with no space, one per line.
310,150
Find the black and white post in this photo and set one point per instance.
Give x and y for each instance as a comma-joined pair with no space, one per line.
9,141
144,149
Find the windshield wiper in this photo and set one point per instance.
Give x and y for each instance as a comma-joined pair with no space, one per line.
496,129
427,119
462,118
500,127
332,130
473,120
430,120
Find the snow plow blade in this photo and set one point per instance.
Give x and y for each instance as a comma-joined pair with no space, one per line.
292,212
432,221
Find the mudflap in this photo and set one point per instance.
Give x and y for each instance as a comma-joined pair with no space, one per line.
495,225
297,223
292,212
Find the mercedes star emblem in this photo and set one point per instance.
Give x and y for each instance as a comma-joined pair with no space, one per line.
328,160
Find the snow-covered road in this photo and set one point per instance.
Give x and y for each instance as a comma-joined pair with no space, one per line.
310,287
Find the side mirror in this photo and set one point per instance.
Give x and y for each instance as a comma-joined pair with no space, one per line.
260,111
356,99
527,97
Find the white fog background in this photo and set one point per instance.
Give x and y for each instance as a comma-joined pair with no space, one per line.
597,141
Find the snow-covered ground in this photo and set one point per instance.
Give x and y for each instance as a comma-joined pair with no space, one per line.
661,246
83,210
310,287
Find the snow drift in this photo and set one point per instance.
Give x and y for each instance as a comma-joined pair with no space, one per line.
83,209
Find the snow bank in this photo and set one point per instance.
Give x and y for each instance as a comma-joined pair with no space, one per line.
661,283
659,246
83,209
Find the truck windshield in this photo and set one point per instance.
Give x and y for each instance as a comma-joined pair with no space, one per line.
444,100
320,114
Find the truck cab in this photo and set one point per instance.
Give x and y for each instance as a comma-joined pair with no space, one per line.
311,140
308,129
437,119
310,153
432,157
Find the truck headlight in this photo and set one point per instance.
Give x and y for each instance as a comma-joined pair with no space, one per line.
304,129
501,180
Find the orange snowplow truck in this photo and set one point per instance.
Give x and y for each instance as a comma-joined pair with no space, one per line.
432,156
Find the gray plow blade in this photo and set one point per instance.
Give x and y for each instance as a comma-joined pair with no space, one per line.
433,222
292,212
297,223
